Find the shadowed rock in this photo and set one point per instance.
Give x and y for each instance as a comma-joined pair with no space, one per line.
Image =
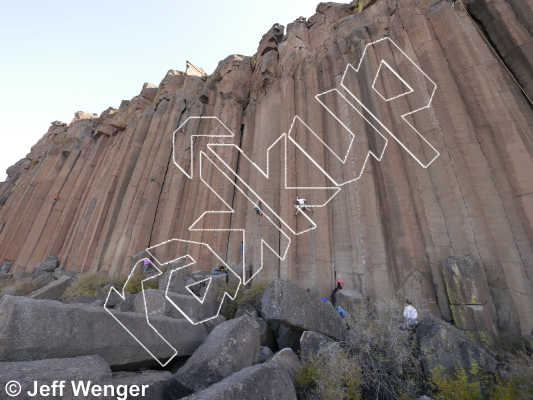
292,306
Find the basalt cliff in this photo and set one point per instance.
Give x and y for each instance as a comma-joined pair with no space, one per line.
453,178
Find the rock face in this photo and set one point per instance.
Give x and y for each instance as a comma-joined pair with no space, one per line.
45,372
120,191
230,347
467,289
262,381
37,329
292,306
443,345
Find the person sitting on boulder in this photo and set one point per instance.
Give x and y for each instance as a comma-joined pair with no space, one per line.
258,208
146,265
410,314
338,286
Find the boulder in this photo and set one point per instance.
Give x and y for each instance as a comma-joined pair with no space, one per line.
293,306
288,361
37,279
230,347
263,381
158,304
154,380
264,354
214,322
174,280
246,309
72,330
47,266
127,304
45,372
60,272
94,300
311,343
444,345
54,290
348,299
211,291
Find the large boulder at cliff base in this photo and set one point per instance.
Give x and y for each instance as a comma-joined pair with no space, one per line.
288,361
348,299
46,372
293,306
311,343
47,266
38,329
263,381
230,347
444,345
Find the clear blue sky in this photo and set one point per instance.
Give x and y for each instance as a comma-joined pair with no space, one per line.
59,57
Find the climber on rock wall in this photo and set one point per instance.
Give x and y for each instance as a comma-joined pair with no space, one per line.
338,286
301,205
257,208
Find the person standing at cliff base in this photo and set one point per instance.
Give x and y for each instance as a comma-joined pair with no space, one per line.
410,314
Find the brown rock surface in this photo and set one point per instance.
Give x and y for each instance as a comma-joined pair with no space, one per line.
121,193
